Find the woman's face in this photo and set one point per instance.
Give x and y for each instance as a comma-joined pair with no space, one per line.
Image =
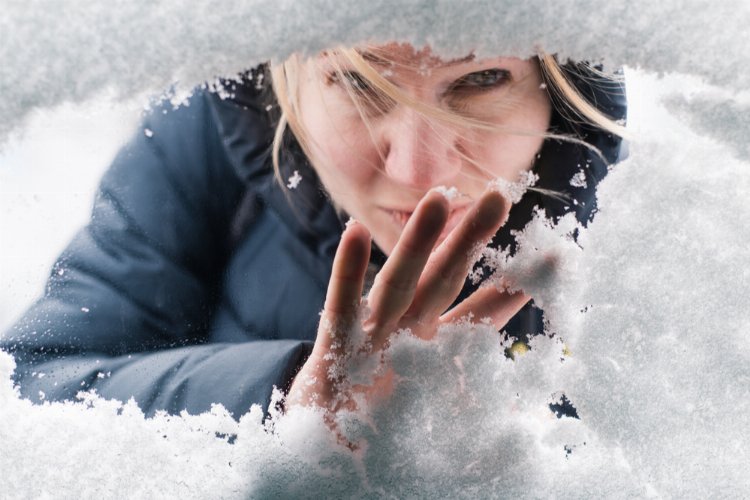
378,160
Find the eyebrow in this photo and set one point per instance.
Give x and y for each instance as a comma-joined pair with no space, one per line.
462,60
376,59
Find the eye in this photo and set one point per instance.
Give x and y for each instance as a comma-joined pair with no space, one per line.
478,81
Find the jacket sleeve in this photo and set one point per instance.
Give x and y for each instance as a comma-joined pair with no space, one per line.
128,303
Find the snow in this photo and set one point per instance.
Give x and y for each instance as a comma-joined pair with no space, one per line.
294,180
142,47
450,193
514,191
579,179
47,180
646,306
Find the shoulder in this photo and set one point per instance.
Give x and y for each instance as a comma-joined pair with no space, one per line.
228,121
244,113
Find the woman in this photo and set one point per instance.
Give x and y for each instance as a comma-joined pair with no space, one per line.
200,277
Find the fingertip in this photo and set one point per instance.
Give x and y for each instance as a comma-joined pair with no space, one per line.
504,201
437,197
493,209
357,240
357,229
353,253
436,208
496,199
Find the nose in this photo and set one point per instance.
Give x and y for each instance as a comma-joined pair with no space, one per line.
418,151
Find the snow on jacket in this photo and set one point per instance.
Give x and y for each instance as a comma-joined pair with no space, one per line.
198,280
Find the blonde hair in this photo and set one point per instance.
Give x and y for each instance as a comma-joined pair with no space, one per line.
285,79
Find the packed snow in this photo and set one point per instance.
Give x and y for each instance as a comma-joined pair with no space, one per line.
645,307
54,52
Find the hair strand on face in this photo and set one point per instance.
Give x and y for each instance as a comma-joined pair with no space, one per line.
373,94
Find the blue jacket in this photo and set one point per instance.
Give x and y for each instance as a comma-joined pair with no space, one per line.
199,281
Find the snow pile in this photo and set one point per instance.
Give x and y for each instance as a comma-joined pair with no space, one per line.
661,365
52,51
646,310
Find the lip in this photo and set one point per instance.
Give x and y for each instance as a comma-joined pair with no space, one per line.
401,217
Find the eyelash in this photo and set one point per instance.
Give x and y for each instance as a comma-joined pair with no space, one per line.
494,78
469,83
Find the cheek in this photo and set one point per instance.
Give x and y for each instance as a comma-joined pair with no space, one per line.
342,150
354,164
508,154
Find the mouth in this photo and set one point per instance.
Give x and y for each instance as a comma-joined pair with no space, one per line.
401,217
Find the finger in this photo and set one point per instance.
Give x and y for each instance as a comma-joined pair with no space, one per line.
446,271
345,285
488,302
395,284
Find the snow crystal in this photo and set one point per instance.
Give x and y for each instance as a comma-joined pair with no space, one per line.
148,132
294,180
450,193
514,191
578,180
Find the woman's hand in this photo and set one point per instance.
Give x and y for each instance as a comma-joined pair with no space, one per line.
413,289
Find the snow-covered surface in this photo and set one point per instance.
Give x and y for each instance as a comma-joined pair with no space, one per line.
47,181
54,51
650,315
